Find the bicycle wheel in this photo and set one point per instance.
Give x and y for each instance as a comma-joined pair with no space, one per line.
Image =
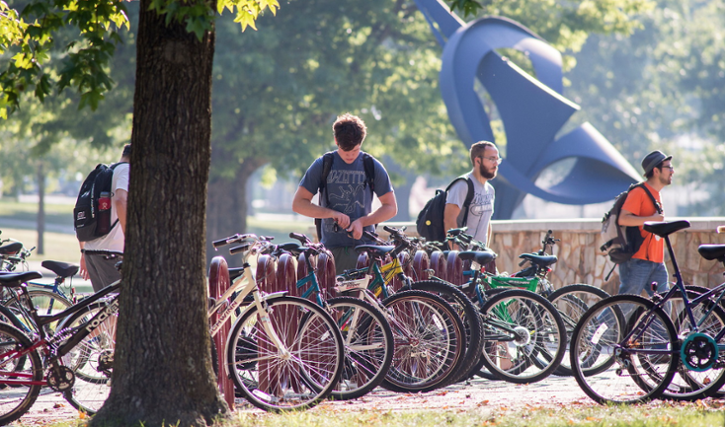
15,399
299,373
525,336
638,356
369,346
46,302
429,342
91,360
703,374
471,321
571,302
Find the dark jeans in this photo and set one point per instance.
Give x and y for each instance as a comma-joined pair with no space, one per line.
345,258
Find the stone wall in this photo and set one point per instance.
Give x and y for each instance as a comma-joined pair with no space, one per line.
577,251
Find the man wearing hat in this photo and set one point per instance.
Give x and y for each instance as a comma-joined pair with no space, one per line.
647,264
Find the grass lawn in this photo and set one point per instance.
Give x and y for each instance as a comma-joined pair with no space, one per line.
656,414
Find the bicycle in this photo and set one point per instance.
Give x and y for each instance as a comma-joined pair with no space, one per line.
76,360
628,349
369,342
283,353
429,335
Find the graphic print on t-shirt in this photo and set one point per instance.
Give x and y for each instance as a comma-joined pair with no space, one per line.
347,190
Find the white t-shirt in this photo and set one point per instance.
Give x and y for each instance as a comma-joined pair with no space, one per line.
114,240
480,210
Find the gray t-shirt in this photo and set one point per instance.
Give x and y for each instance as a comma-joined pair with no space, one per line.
480,210
347,192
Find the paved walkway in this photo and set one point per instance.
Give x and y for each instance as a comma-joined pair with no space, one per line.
479,394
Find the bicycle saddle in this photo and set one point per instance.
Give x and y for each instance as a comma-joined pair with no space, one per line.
235,272
664,229
11,248
540,260
61,269
292,247
374,250
711,252
13,280
481,257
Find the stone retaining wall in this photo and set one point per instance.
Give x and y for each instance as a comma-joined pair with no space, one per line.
577,251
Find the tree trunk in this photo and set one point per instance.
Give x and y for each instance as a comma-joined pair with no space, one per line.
227,210
41,209
162,366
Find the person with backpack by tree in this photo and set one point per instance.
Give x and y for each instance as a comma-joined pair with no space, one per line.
647,264
477,214
96,263
345,180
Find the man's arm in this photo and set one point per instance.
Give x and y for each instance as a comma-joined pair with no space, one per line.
628,219
302,204
387,210
120,202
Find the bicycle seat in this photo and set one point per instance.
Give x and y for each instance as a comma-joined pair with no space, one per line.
664,229
481,257
11,248
374,250
14,280
540,260
235,272
61,269
292,247
711,252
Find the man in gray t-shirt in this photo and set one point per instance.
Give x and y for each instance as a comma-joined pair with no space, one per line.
485,161
349,197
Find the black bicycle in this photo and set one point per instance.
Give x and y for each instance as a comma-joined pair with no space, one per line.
75,360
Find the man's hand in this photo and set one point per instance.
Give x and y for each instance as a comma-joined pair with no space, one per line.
341,219
356,228
83,272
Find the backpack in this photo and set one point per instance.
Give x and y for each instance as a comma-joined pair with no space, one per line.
327,159
87,222
621,242
430,220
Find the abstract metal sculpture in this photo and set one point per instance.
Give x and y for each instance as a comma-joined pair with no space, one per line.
532,109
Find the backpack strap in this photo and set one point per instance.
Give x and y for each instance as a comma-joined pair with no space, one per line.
469,196
651,197
326,168
369,163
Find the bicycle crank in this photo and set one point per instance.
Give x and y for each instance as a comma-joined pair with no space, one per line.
699,352
61,378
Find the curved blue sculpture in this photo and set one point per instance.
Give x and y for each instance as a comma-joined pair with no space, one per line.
532,110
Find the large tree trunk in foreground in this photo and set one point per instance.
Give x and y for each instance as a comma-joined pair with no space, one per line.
162,368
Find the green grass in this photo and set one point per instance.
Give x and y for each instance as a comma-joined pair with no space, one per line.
656,414
58,246
54,214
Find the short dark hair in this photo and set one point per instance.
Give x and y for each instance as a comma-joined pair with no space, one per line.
349,131
479,148
126,150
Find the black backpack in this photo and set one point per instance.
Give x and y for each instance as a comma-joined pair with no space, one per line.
430,220
327,159
621,242
86,221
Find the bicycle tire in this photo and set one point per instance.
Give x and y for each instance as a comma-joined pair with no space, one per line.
533,331
16,400
691,385
46,302
625,379
468,313
369,346
429,342
91,360
271,379
571,301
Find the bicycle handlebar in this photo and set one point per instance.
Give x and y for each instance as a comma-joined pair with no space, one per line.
301,237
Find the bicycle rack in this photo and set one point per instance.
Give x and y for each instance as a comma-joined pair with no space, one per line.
218,284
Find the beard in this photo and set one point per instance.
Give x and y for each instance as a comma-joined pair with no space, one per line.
487,173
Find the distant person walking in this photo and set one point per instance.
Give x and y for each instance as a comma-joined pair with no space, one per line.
100,267
647,265
345,196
